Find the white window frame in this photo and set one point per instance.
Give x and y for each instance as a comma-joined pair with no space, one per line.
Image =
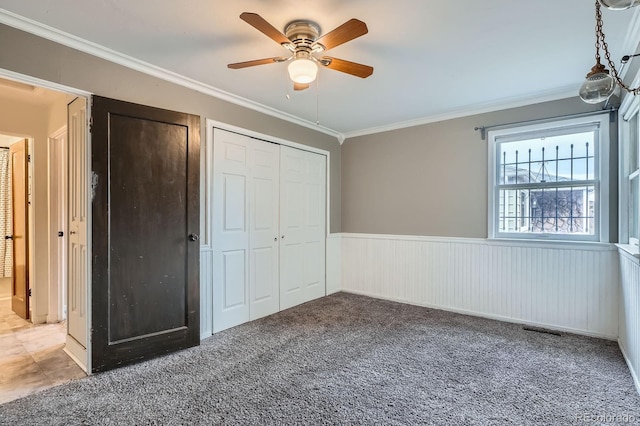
601,164
629,108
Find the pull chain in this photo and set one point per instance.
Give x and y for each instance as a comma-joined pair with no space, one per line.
287,85
318,99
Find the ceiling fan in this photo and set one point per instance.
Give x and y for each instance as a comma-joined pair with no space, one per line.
301,39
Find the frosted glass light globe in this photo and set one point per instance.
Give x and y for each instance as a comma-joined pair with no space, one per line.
303,70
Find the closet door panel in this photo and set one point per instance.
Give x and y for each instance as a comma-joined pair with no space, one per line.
264,233
269,228
315,233
292,215
302,215
231,192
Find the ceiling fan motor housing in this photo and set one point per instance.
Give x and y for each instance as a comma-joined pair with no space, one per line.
303,34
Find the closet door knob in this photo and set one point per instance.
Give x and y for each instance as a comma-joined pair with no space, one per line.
275,239
193,237
282,237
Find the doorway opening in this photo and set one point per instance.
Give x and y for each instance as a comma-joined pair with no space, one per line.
33,239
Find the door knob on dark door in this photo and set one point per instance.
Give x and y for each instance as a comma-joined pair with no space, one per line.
193,237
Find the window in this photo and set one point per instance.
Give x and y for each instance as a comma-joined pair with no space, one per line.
550,180
629,165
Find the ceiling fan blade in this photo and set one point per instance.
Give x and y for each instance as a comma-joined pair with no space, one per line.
260,24
348,67
300,86
351,29
246,64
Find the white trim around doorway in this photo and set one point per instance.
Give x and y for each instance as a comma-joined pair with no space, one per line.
81,355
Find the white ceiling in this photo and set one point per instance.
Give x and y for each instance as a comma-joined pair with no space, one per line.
432,59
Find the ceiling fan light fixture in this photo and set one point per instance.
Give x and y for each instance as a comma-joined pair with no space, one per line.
303,70
619,4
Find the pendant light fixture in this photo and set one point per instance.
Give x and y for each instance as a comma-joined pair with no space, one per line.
619,4
598,86
600,83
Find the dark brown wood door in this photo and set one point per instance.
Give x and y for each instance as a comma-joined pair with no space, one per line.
145,286
19,205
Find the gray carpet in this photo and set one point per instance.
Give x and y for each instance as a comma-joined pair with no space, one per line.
349,359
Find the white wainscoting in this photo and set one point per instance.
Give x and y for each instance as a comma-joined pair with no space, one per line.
563,286
206,292
629,328
334,263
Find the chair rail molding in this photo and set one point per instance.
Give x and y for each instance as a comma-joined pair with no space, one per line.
629,312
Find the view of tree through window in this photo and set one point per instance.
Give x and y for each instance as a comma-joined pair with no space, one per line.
548,184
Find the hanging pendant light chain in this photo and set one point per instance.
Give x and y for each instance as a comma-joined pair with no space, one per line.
598,31
601,42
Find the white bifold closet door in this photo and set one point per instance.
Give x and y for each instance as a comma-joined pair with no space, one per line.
269,204
302,226
245,229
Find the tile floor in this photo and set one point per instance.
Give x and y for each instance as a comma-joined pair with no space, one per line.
31,357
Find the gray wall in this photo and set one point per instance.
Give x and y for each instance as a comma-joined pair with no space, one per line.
432,179
31,55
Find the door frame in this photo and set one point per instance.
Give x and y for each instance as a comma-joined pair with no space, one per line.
80,355
206,207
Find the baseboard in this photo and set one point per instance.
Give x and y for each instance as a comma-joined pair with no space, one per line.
487,316
38,319
52,319
634,374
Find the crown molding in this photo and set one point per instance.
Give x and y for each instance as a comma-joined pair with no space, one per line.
41,30
632,40
553,95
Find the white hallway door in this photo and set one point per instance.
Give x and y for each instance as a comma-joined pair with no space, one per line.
268,228
58,226
78,236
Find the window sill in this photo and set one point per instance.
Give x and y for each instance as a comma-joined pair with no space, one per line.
630,250
553,243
